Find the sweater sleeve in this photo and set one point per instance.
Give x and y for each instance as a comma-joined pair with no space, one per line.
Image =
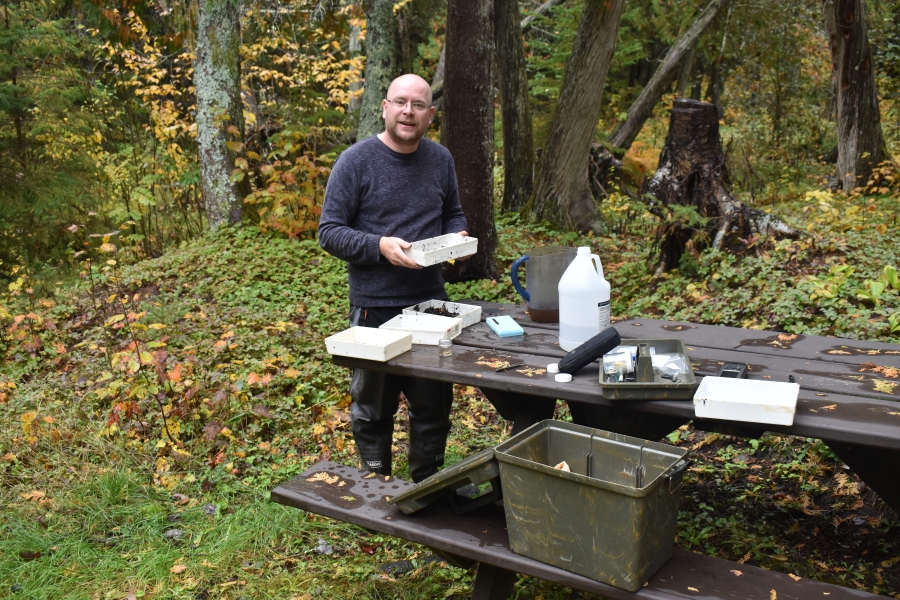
453,220
336,234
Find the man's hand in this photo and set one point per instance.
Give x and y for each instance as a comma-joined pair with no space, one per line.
466,234
392,249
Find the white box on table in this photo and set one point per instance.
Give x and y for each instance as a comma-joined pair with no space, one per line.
369,343
749,400
469,313
426,329
442,248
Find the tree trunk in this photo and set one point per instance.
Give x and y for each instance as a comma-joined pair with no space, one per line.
692,173
220,117
860,142
562,192
467,127
518,142
641,109
684,76
380,67
355,47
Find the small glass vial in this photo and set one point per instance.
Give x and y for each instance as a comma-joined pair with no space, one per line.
445,346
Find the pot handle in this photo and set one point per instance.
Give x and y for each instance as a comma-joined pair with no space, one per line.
514,274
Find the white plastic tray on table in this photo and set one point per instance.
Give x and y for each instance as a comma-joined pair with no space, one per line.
426,329
753,401
441,249
369,343
469,313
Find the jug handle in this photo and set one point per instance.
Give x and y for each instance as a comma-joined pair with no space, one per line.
597,265
514,274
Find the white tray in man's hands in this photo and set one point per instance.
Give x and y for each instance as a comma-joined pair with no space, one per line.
441,249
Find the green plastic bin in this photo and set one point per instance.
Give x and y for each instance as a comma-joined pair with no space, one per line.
612,518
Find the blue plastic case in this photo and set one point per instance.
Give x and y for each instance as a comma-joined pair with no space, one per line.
504,326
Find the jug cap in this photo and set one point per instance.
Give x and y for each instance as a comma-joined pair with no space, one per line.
584,249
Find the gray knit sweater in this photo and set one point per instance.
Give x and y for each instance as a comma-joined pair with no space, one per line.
374,192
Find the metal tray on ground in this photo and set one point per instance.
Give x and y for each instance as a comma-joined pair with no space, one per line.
659,388
476,469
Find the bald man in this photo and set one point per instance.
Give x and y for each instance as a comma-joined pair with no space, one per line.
384,192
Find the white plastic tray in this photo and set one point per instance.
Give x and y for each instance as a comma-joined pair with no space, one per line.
426,329
369,343
469,313
749,400
441,249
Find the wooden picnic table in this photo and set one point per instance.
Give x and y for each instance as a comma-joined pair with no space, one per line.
843,401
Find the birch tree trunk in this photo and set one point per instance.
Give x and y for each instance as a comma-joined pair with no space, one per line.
467,127
860,141
518,140
562,193
641,109
220,118
380,66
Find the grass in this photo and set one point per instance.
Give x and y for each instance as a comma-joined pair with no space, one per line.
173,394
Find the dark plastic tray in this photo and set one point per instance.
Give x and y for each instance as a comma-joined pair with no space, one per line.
476,469
659,389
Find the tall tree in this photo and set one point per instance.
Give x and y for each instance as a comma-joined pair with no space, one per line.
220,120
380,64
562,192
641,109
467,127
518,141
860,141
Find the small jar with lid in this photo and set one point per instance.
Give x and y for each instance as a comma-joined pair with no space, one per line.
445,347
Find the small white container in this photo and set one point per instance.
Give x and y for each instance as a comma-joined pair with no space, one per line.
749,400
426,329
369,343
469,313
441,249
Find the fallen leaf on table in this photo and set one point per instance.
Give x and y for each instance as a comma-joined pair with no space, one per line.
773,595
829,407
794,577
886,387
323,476
736,572
693,589
563,466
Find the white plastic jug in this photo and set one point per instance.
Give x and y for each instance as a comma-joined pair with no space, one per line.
583,300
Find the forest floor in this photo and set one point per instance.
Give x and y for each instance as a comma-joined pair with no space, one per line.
147,411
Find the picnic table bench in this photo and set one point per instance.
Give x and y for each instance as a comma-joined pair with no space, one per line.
839,403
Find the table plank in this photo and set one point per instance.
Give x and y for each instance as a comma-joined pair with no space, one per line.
812,375
358,497
834,416
772,343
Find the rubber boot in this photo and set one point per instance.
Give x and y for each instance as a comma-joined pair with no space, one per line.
376,462
424,464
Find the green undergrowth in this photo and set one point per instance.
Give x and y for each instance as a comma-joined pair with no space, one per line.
171,395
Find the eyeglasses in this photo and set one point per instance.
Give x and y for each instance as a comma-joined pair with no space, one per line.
417,106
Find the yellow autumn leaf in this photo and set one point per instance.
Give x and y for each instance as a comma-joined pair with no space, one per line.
113,320
886,387
107,247
156,326
178,568
27,420
292,373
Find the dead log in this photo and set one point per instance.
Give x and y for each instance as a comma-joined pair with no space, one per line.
692,172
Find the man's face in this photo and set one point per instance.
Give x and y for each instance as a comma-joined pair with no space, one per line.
408,123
